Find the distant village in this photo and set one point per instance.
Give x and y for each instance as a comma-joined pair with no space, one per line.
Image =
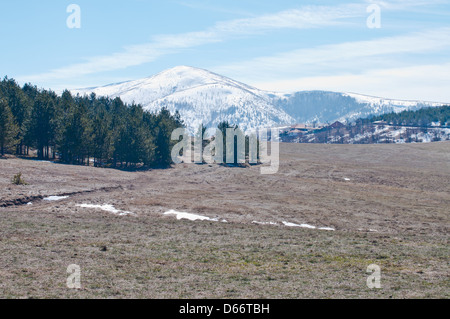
300,129
364,132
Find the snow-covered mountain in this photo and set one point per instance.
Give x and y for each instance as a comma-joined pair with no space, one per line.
201,97
323,106
205,97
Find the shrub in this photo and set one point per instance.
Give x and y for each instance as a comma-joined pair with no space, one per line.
18,180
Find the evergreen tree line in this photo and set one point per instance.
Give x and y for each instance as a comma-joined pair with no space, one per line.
242,153
420,118
416,122
242,148
81,129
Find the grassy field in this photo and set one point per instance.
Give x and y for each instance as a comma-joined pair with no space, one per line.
389,206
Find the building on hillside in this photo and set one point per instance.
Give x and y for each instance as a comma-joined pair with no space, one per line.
337,124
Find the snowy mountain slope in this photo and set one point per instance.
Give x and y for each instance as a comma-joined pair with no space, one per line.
201,97
383,105
372,134
323,106
400,104
205,97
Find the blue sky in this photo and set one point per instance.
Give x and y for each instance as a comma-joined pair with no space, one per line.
275,45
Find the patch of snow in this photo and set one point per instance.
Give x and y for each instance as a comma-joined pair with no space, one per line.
107,208
296,225
347,179
307,226
30,203
55,198
264,223
327,228
192,217
368,230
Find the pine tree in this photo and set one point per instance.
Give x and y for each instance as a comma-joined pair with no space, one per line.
8,129
76,144
65,134
79,128
223,126
101,140
161,126
43,123
20,106
239,146
162,143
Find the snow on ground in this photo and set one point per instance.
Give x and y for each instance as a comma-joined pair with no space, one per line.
107,208
192,217
399,105
307,226
264,223
55,198
400,135
368,230
296,225
327,228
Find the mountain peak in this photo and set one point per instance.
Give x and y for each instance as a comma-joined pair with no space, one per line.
183,69
187,75
204,97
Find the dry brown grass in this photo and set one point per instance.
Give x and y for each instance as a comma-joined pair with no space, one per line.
402,191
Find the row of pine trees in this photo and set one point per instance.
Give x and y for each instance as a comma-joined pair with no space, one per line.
82,129
421,118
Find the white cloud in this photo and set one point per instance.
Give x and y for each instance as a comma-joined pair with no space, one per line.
351,66
375,67
406,4
422,82
348,56
131,56
304,18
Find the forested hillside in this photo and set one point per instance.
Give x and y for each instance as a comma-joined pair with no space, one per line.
425,125
79,129
422,118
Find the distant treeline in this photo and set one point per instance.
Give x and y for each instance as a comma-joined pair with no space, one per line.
77,129
420,118
427,124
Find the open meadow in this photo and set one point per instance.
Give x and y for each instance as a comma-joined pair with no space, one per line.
309,231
